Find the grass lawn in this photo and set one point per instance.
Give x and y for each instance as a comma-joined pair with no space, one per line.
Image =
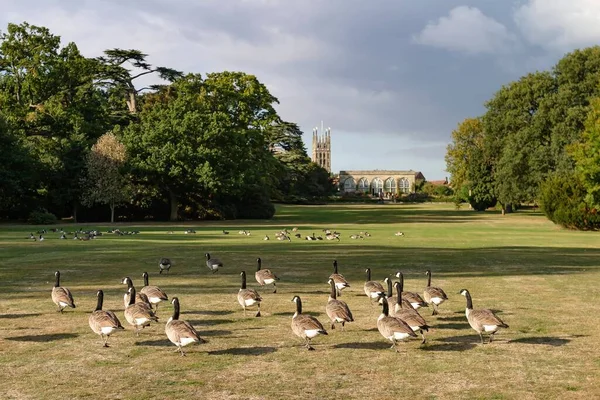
543,281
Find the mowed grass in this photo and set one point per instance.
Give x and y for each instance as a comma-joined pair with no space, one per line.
542,281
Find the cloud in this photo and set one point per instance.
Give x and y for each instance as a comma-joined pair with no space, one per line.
467,30
560,25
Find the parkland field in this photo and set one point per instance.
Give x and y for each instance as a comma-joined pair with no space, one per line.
541,280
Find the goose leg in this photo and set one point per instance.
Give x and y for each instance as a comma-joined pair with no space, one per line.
244,311
491,337
435,310
181,350
481,336
423,336
308,346
156,308
332,325
343,323
274,288
258,313
394,346
105,339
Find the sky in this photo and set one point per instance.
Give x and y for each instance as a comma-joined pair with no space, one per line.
392,78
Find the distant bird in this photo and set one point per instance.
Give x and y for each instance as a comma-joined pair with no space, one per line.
354,236
31,236
247,233
154,293
337,310
298,235
265,276
190,231
367,234
413,298
139,315
433,295
482,320
225,232
399,234
409,314
305,326
294,229
61,296
103,323
373,289
391,328
340,282
266,237
213,264
181,333
242,232
41,238
284,237
164,265
62,236
248,297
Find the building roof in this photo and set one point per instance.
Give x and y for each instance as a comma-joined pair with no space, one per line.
382,172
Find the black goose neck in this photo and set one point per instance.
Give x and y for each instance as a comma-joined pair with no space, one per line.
175,308
100,300
389,287
131,295
399,290
386,308
332,293
428,278
145,275
335,267
243,274
469,300
368,274
57,280
258,264
298,306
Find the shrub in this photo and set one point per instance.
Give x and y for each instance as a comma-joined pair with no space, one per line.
42,217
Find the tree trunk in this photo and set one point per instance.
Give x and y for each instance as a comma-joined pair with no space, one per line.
173,201
74,212
131,102
112,212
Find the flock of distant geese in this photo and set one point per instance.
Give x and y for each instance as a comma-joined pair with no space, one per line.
399,320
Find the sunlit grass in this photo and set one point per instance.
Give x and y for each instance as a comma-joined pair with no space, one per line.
542,281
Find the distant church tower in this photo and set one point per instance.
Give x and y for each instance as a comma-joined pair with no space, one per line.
321,147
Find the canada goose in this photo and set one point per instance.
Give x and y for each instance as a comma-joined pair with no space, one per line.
180,333
340,282
41,239
265,276
353,236
409,314
213,263
433,295
61,296
373,289
154,293
141,298
164,265
225,232
284,237
266,237
337,310
248,297
332,237
242,232
294,229
189,231
367,234
138,314
399,234
62,236
482,320
391,328
413,298
391,299
305,326
103,323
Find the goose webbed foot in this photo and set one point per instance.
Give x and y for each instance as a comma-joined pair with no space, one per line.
258,314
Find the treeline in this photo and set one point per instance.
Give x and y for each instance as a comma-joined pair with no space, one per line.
79,138
537,143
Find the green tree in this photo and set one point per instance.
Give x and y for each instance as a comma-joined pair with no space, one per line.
467,139
105,182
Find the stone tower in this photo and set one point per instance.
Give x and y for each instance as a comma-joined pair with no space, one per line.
321,147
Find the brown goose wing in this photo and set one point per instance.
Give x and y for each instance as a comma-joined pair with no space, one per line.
374,286
339,309
103,319
487,317
62,295
436,292
389,325
154,291
308,322
181,329
413,297
250,294
263,275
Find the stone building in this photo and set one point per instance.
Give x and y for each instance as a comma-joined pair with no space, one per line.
321,148
379,182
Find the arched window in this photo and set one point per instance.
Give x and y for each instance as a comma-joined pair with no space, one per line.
349,185
376,186
404,185
363,185
389,185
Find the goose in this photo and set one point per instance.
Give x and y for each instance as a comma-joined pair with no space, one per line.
248,297
62,236
391,328
180,333
373,289
353,236
103,323
242,232
265,276
408,314
190,231
41,239
61,296
154,293
391,299
141,298
433,295
225,232
213,263
332,237
399,234
284,237
305,326
266,237
340,282
337,310
482,320
294,229
138,314
164,265
413,298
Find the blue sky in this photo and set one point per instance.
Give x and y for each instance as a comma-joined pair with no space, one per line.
392,78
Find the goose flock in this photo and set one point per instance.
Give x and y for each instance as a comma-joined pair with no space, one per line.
398,321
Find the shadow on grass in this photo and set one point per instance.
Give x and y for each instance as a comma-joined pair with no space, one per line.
209,322
363,345
209,312
214,332
545,340
461,318
452,326
244,351
291,313
14,316
448,347
43,338
155,343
